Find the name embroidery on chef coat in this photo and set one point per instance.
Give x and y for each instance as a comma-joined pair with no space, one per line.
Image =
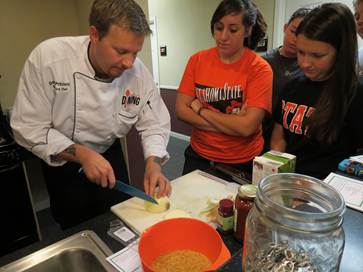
129,98
59,86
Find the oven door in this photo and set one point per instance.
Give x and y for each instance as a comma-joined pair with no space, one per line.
18,223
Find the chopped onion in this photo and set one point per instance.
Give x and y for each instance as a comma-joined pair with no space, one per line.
162,206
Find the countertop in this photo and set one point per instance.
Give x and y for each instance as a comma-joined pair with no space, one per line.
351,261
100,226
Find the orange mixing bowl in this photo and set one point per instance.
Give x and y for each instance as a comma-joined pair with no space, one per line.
182,233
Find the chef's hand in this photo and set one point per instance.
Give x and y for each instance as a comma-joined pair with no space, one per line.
154,178
95,166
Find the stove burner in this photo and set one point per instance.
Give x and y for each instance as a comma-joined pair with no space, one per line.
9,156
2,140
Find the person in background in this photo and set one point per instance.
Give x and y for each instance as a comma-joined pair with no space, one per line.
283,61
358,14
76,97
319,113
225,91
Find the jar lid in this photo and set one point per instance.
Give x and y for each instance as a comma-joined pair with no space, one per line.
226,205
247,191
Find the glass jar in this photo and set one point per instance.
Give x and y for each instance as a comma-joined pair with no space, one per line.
242,205
295,225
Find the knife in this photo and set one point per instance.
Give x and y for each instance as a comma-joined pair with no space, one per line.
130,190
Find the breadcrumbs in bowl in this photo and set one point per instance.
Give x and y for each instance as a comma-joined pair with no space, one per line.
177,239
181,261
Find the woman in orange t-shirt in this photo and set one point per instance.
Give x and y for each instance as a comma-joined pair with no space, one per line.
226,91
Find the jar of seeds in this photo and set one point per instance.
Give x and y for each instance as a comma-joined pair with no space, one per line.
294,226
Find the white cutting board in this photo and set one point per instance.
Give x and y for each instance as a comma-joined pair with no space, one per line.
190,193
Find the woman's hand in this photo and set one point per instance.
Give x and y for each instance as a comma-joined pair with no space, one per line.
188,113
278,141
196,106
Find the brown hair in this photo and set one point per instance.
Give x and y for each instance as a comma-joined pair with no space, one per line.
124,13
333,23
299,13
252,17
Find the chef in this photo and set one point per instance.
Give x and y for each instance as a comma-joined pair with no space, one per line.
76,97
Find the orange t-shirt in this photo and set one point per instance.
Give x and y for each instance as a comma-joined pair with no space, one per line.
225,87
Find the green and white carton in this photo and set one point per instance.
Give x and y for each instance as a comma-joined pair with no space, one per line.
272,162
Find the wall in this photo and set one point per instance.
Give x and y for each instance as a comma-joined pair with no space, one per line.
26,23
23,25
267,8
289,6
177,126
145,54
82,8
292,5
184,27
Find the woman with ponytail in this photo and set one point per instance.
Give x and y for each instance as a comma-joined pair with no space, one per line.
226,91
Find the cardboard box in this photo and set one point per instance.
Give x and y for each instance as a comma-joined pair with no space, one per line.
272,162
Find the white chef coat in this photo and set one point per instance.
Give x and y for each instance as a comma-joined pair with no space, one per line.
59,103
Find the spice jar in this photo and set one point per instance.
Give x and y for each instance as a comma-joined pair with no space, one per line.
295,225
225,215
242,204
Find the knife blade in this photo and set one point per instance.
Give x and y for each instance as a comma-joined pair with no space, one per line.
131,190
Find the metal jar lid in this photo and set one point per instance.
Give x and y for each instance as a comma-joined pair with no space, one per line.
247,191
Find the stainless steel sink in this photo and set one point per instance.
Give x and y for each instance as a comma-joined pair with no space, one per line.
81,252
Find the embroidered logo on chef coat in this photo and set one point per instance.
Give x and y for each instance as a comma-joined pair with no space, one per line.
129,98
59,86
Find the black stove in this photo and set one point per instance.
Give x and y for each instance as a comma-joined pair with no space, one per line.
9,150
15,198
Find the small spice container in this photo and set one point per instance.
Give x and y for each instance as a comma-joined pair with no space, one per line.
243,203
225,215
